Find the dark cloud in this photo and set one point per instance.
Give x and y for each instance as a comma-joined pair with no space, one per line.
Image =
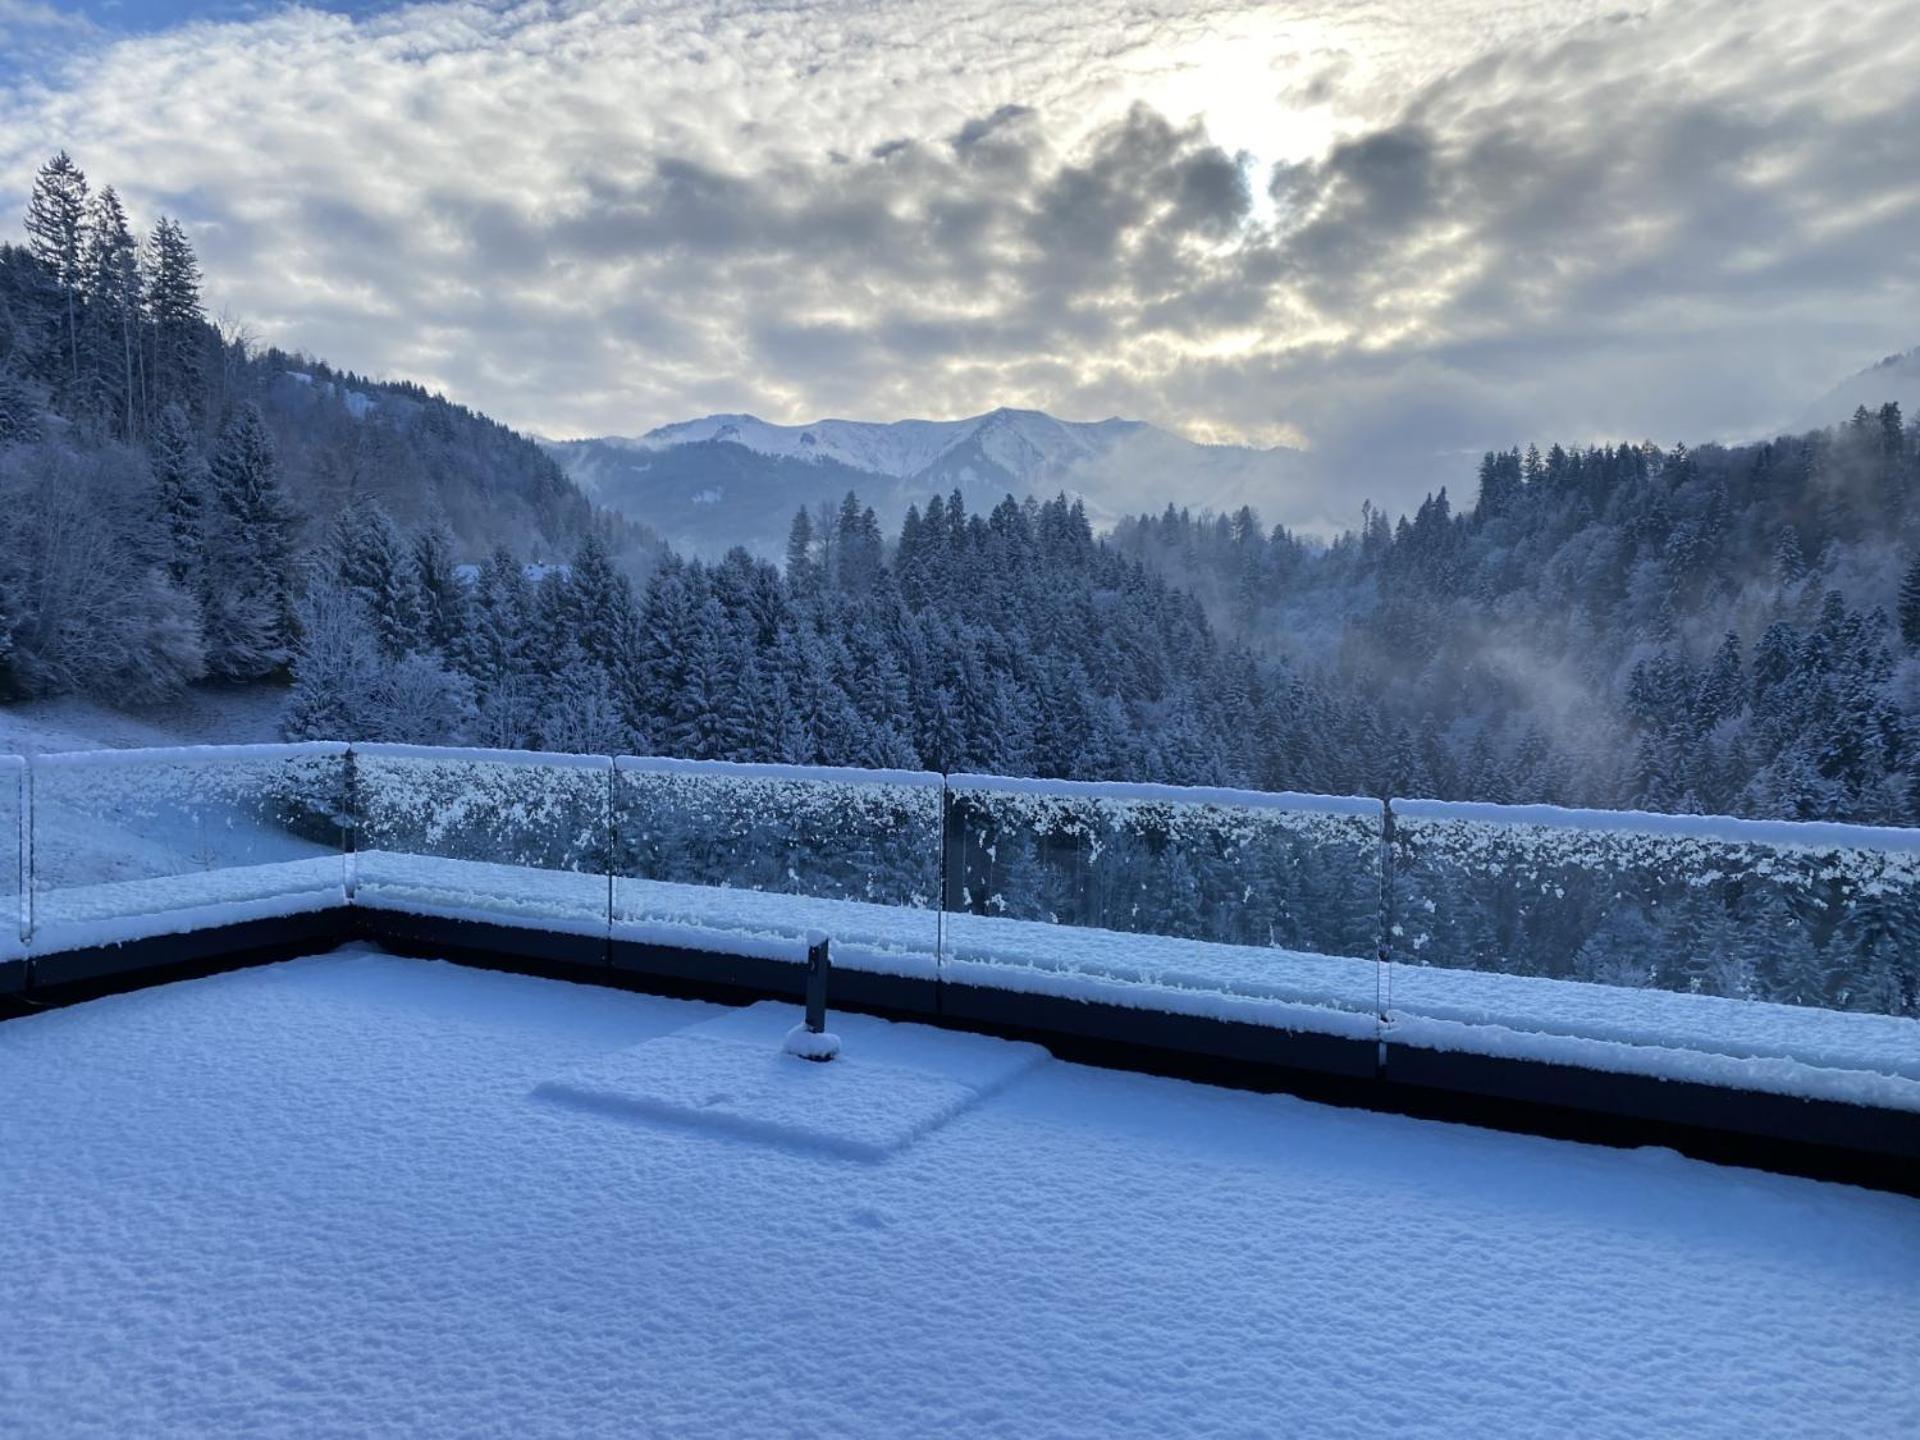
979,128
1210,192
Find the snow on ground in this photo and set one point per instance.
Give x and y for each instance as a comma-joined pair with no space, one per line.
323,1198
212,716
748,1073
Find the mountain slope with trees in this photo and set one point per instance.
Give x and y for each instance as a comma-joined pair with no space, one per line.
160,479
1731,630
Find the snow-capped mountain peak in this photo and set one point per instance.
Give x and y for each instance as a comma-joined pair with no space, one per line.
1025,444
730,479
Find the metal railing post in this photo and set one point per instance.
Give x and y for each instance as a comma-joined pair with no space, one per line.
350,781
613,841
26,853
940,913
819,967
811,1040
1383,983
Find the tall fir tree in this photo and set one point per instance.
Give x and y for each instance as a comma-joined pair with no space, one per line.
1910,606
56,235
180,485
442,595
802,567
374,560
113,317
248,595
176,315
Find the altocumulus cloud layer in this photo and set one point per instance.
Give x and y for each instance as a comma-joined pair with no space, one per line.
1397,234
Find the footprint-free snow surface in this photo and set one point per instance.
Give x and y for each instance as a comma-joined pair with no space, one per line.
324,1198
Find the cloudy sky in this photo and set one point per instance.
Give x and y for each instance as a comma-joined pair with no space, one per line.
1396,232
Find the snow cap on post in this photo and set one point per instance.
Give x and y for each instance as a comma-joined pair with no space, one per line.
812,1045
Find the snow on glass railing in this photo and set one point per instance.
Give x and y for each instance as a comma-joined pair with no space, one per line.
748,859
506,836
1218,901
1765,954
1771,945
14,920
133,843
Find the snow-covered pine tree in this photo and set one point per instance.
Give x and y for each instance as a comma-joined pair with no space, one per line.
1180,899
1722,689
698,725
1910,606
499,622
941,741
581,715
179,499
493,653
94,615
56,236
1004,743
1789,562
373,559
789,743
1621,949
247,597
178,321
760,721
666,628
803,574
1029,889
336,670
821,707
21,405
1874,952
555,627
112,317
443,597
1800,973
32,336
419,701
1701,942
605,622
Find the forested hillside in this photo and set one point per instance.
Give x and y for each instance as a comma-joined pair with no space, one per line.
161,478
1727,630
1618,627
1013,641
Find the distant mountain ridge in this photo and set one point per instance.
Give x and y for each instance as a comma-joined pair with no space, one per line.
1022,444
1896,379
728,479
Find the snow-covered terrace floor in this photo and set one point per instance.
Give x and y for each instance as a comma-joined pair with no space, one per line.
340,1196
